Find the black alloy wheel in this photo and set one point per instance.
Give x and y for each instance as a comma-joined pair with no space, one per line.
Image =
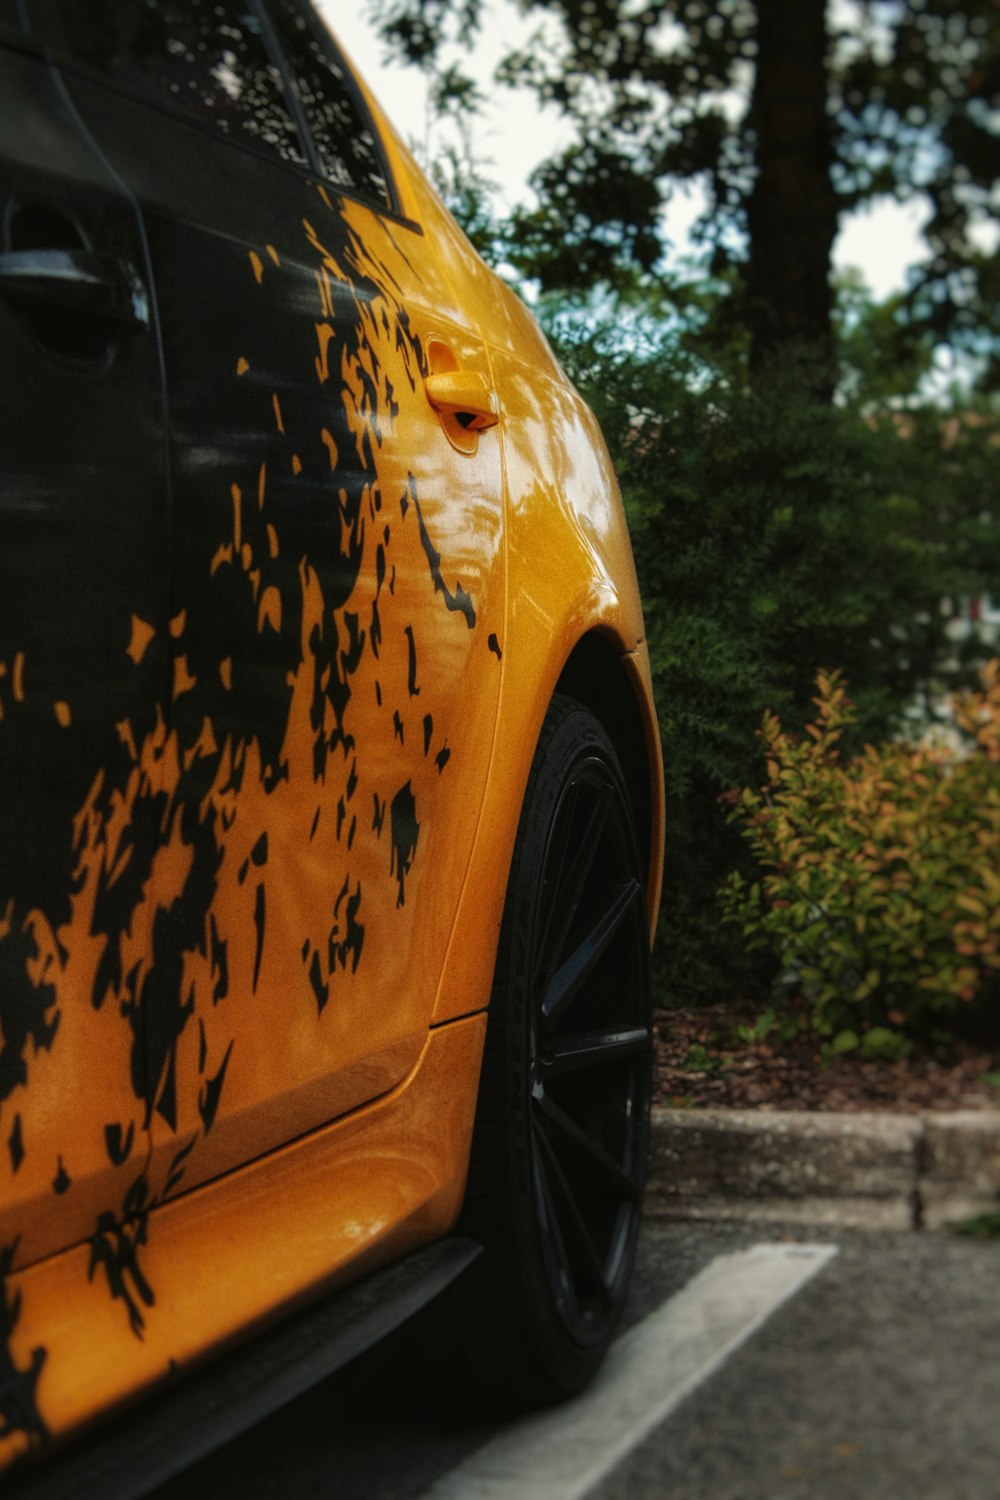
559,1153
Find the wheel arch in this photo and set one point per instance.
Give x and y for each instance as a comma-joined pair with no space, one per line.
614,683
610,683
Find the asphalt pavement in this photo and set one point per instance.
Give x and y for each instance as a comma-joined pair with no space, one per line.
879,1378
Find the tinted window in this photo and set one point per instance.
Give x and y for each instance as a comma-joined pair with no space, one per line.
345,140
9,14
205,56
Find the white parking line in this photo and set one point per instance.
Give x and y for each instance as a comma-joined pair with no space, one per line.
563,1453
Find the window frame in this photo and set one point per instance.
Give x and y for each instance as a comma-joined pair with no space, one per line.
327,43
65,61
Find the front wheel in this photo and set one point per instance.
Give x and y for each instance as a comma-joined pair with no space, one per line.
559,1150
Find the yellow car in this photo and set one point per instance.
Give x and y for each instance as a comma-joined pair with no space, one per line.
328,755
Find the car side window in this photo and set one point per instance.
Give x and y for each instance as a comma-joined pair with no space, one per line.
9,14
207,57
348,151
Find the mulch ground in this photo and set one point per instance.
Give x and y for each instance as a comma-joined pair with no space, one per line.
702,1062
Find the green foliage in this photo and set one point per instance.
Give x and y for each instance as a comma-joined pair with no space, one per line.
914,106
878,878
759,1031
700,1060
982,1227
877,1044
770,536
883,353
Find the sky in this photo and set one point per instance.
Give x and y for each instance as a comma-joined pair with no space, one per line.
515,135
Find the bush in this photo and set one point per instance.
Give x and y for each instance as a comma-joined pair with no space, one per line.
771,535
879,888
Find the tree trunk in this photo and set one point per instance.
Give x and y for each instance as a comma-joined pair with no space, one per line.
792,210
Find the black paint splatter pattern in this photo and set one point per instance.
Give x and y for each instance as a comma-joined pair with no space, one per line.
142,842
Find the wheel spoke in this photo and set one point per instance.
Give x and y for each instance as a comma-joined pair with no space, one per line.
597,1161
591,1049
583,1253
569,977
568,872
559,1268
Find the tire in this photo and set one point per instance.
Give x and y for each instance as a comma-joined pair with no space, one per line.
559,1148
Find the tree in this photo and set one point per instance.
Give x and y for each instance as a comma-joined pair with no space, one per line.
787,112
791,210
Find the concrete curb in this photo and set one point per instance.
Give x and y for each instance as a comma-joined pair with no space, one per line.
878,1171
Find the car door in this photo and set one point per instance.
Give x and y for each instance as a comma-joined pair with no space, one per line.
336,576
82,599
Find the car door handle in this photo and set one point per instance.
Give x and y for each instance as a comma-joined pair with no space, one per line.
87,282
465,395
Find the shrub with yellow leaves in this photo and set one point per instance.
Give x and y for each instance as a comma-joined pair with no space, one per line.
880,873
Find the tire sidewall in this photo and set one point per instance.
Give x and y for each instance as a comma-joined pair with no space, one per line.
572,739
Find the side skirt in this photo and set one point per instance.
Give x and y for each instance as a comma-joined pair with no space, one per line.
163,1436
